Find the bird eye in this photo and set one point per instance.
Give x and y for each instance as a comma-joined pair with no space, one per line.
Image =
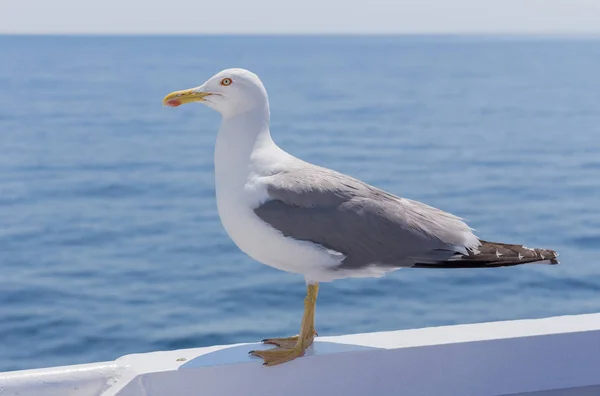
226,81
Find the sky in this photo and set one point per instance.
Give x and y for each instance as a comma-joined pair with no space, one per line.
580,17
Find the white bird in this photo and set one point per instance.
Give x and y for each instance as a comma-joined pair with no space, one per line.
313,221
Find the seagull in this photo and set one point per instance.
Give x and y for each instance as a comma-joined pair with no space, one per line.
310,220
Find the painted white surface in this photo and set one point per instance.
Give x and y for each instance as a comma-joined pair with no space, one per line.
545,357
79,380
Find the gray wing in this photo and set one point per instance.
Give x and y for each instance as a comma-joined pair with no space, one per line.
368,225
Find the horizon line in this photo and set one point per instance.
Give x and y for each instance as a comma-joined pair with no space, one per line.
515,34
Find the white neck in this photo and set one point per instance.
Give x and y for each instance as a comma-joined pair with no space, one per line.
240,135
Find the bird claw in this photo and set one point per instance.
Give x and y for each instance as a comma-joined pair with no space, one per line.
273,357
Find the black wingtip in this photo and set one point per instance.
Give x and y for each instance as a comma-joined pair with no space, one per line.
493,255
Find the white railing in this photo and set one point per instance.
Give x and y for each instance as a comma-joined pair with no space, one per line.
554,356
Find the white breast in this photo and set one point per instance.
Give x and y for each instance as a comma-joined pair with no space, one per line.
261,241
242,166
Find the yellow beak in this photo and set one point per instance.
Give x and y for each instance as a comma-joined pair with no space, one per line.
177,98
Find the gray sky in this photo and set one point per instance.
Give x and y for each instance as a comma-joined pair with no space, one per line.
300,16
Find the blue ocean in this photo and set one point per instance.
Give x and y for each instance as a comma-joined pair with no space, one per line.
110,242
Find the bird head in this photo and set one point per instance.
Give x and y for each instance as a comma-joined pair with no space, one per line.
230,92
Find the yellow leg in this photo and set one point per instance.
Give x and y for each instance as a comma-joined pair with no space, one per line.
293,347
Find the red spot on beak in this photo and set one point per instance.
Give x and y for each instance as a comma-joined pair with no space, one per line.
173,103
